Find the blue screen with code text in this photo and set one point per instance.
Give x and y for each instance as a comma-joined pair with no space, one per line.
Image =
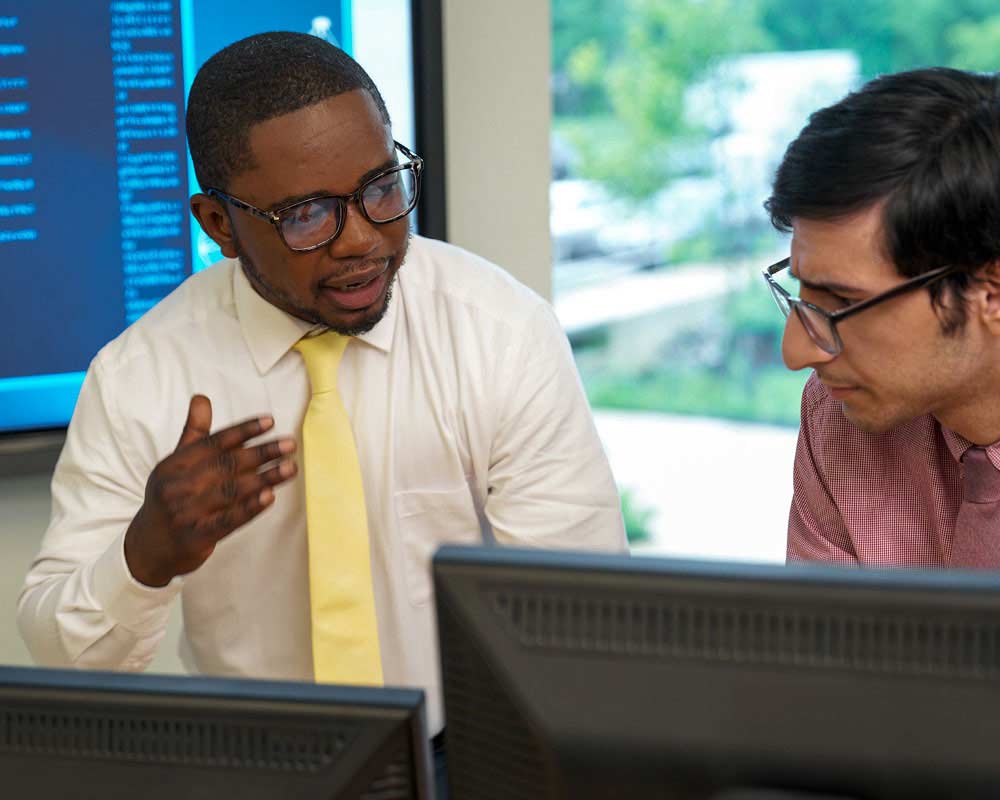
94,171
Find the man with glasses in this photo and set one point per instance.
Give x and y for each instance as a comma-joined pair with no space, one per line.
891,296
409,394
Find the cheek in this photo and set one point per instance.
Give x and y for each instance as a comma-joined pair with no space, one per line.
900,364
281,268
396,233
882,340
299,274
258,244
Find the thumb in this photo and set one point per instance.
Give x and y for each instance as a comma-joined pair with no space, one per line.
199,421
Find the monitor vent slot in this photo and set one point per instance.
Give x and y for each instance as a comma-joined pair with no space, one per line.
485,731
152,739
768,634
395,783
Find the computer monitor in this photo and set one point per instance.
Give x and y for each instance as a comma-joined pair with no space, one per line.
112,736
582,676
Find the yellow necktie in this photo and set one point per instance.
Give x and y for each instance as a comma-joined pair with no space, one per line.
342,599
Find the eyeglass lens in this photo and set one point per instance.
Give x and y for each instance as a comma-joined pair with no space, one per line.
384,199
780,298
819,328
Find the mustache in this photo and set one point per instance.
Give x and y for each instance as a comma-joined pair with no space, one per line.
375,265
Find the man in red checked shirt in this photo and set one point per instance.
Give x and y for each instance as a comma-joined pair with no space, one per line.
892,296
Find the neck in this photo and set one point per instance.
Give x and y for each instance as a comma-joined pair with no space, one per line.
977,420
982,436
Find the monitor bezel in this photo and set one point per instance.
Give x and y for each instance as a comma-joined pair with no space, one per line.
212,701
550,698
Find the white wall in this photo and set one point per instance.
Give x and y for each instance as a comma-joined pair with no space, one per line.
24,512
497,121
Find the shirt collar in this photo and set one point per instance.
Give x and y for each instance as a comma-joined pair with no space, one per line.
270,332
958,444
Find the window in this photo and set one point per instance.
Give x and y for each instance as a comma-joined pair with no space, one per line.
670,117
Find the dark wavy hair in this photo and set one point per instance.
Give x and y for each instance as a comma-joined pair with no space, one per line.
926,143
254,80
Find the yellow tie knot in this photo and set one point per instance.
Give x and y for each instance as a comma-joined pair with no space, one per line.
322,355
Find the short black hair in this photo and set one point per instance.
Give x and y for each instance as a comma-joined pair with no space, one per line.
926,143
254,80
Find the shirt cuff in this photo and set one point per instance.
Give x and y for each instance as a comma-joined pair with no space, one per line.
139,608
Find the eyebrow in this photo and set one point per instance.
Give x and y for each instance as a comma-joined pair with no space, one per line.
827,286
298,198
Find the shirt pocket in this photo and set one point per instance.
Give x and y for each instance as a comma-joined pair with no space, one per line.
427,520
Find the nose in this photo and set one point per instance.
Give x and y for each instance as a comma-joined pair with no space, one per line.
798,350
358,237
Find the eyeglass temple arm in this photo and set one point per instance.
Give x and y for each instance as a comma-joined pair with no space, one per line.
418,162
777,267
270,216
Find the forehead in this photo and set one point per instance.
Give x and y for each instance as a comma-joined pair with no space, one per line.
327,146
848,250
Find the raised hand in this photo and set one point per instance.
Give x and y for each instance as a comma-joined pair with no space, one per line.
207,488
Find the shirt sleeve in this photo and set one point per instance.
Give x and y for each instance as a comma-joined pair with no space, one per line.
816,528
80,606
550,484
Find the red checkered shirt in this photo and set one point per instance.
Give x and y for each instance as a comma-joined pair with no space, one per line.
879,499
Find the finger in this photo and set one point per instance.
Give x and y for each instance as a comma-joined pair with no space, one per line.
239,434
234,490
228,440
246,459
218,526
186,482
199,421
250,458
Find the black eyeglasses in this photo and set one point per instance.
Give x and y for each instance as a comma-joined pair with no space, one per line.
821,325
312,223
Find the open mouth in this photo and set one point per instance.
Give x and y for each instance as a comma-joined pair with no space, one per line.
361,280
351,286
361,292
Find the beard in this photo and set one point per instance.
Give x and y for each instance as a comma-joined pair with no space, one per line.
279,298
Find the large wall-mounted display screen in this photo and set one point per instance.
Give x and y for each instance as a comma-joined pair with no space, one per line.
94,171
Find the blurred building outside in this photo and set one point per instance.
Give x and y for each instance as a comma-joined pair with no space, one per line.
649,318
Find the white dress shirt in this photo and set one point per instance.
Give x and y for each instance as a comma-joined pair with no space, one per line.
470,423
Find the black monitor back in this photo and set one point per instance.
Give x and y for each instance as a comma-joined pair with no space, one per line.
110,736
586,676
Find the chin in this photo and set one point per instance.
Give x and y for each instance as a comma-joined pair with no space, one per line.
876,420
864,423
358,322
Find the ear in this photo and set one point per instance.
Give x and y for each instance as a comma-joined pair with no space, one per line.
214,220
987,292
